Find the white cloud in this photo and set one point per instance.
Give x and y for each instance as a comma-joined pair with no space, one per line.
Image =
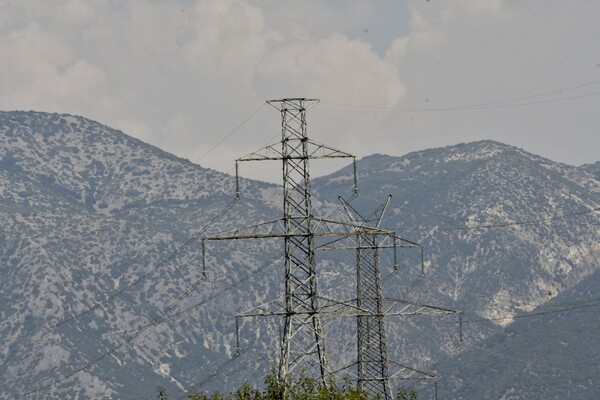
461,52
41,67
182,74
75,12
223,40
335,68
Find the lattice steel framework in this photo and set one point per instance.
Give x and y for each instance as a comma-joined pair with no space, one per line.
373,372
372,359
302,334
302,343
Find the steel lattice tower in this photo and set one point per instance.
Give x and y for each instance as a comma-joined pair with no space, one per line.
302,334
373,365
372,360
302,343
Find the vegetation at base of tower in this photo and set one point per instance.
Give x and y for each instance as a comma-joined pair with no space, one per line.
302,388
406,394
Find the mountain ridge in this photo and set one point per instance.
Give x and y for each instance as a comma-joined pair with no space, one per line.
109,212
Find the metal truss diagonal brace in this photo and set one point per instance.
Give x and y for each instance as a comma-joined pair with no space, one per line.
282,228
273,152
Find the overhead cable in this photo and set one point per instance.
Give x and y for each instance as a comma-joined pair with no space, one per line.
517,102
501,224
234,130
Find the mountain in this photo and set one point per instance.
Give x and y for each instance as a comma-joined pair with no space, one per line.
593,169
495,221
90,217
86,210
503,231
551,353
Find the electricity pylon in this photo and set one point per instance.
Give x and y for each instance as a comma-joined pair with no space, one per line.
302,343
372,359
373,374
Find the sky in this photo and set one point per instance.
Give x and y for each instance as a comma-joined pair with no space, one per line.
192,76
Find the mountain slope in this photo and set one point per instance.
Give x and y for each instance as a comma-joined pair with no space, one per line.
593,169
552,354
495,222
490,216
87,211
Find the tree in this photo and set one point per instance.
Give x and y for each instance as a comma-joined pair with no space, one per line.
404,394
162,393
302,388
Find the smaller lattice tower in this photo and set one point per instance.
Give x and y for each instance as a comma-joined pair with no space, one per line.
372,360
372,363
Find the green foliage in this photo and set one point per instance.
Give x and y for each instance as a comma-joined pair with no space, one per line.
404,394
301,388
162,393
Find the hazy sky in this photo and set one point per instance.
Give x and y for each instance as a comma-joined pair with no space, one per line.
393,76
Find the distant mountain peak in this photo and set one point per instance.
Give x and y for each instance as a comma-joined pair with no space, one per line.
96,166
482,149
462,152
593,169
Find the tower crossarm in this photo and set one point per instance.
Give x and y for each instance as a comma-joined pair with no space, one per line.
277,228
410,372
327,307
372,220
400,307
349,308
387,240
314,151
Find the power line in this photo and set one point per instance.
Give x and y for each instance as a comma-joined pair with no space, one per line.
531,103
533,314
576,306
228,287
527,362
162,318
554,310
516,304
449,353
221,368
195,237
548,382
501,224
554,382
234,130
556,91
201,303
567,307
476,106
